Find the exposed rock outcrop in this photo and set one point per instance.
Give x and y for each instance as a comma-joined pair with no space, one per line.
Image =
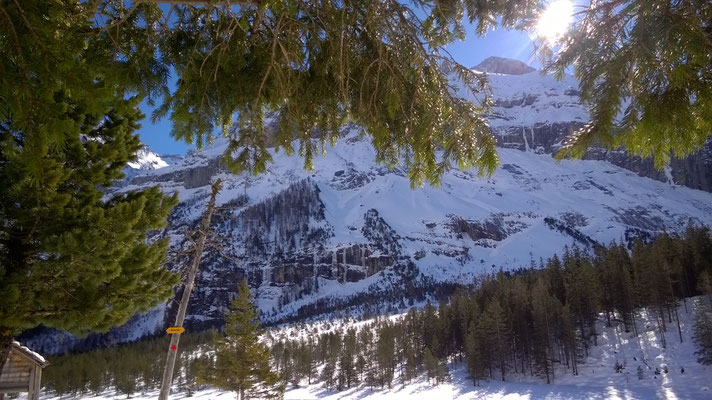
693,171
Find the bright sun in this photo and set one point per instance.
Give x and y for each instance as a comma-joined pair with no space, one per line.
555,20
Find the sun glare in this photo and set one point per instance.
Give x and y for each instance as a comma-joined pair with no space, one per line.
555,20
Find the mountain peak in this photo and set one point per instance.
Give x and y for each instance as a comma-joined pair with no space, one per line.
501,65
147,160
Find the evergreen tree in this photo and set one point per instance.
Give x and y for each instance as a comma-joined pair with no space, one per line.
410,348
431,365
369,356
69,258
328,373
385,354
307,360
543,306
648,61
241,360
498,335
582,293
347,366
474,352
126,374
702,335
624,299
190,372
654,286
72,73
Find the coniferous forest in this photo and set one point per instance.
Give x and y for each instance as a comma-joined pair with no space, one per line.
532,321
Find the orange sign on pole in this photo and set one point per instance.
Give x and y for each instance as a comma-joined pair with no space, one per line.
175,329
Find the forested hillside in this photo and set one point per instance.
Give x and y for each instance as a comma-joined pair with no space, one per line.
544,322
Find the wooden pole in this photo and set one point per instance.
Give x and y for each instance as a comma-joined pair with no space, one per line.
183,307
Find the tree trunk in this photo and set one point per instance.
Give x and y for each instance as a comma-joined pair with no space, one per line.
584,342
183,307
677,319
661,325
6,336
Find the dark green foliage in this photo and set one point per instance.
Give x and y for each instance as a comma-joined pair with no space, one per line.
702,335
126,376
318,65
544,310
71,256
71,259
314,65
368,62
474,351
386,354
241,363
347,361
128,368
72,73
644,68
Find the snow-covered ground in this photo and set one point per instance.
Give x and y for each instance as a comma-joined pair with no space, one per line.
596,380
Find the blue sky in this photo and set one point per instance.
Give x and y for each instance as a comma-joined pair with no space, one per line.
500,42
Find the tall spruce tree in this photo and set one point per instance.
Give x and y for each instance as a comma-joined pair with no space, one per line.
702,334
498,335
71,256
241,361
474,357
543,307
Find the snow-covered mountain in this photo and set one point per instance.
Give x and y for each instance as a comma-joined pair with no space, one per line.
535,112
147,160
353,234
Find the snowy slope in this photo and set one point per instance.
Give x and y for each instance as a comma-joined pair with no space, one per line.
535,112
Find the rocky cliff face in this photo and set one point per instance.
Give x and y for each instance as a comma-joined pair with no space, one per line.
533,112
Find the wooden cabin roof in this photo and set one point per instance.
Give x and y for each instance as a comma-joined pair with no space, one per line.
28,354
